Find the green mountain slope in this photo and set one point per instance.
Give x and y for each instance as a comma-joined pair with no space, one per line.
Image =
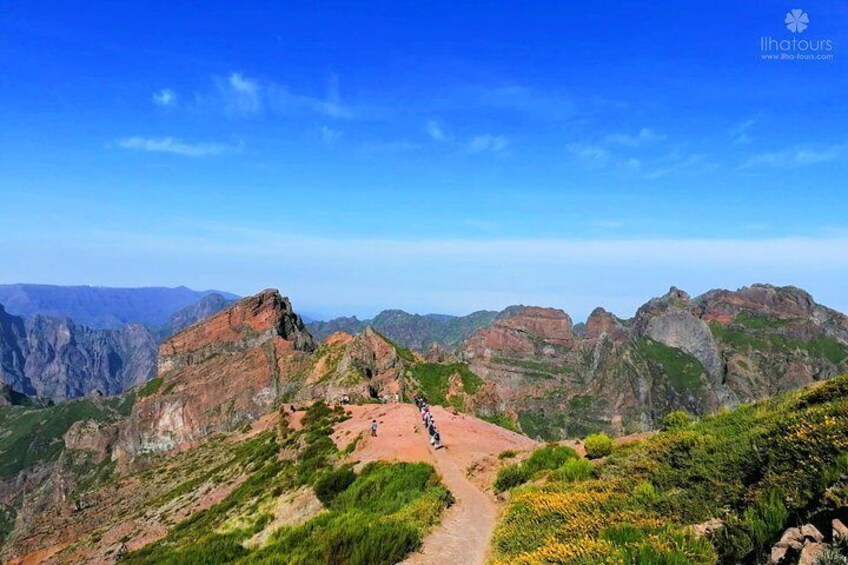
744,475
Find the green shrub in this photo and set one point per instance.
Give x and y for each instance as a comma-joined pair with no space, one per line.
315,413
332,483
645,494
675,420
507,454
598,445
549,457
574,470
765,520
511,476
500,419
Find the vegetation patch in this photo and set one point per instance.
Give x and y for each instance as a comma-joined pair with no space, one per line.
500,419
682,370
33,436
434,378
378,516
548,458
598,445
821,346
758,469
150,388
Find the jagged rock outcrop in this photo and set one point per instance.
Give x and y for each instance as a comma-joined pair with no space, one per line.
365,366
696,354
219,374
56,359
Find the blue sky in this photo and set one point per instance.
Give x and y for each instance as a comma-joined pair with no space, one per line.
430,156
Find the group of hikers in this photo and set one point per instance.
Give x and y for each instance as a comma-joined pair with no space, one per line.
429,422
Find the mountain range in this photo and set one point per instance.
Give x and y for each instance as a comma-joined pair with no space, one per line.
415,331
101,307
55,358
235,428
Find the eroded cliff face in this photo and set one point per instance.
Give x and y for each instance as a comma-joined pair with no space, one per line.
56,359
364,367
719,349
218,375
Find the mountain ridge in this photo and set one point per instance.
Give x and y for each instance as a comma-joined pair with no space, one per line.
100,307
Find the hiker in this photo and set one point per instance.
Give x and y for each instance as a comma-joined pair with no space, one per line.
373,428
437,440
293,409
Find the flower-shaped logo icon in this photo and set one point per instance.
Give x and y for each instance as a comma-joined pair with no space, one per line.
796,21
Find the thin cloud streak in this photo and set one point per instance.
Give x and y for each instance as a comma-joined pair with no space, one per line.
174,146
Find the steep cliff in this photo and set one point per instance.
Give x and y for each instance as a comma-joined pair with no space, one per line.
56,359
218,375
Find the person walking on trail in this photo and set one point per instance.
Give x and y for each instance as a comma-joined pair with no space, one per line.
373,428
437,440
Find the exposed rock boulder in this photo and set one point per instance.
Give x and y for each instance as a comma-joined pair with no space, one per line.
92,436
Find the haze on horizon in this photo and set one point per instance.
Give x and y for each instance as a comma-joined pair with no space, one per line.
383,157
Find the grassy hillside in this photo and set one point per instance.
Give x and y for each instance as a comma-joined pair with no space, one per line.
433,381
379,515
32,436
758,469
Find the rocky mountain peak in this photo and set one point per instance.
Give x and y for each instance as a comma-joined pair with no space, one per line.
220,374
248,323
602,322
550,324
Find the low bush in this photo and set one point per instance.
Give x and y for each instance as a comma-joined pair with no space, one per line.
574,470
511,476
549,457
675,420
332,483
598,445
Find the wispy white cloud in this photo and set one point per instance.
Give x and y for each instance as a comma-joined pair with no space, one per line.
174,146
797,156
645,135
740,134
240,94
165,97
329,135
435,131
497,144
589,153
676,163
525,100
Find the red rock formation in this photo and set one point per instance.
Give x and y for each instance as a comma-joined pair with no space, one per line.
362,367
602,322
521,333
219,374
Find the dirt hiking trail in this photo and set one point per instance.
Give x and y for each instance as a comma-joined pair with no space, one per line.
466,528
